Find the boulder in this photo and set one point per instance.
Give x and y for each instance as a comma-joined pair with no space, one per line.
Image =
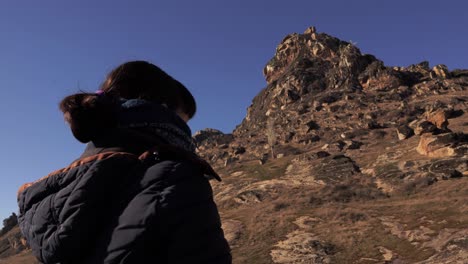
442,145
440,71
351,144
438,118
335,168
424,127
372,124
322,154
312,125
306,158
250,196
310,30
239,150
229,161
404,132
334,147
306,139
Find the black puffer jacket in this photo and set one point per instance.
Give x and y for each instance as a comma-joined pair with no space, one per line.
114,205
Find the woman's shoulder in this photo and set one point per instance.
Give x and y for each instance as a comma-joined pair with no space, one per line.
175,165
79,169
172,172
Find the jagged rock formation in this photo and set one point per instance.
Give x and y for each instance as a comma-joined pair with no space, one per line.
321,88
342,159
354,141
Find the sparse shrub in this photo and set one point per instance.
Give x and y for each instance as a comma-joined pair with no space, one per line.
280,206
326,247
345,192
342,193
353,217
378,134
315,201
388,170
418,184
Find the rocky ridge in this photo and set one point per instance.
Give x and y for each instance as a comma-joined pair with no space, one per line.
340,138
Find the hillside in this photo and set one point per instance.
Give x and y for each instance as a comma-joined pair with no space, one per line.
342,159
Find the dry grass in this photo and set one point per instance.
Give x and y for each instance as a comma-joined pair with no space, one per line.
23,258
354,226
272,169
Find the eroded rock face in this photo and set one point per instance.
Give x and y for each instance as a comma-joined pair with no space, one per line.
336,168
451,246
212,136
320,88
301,246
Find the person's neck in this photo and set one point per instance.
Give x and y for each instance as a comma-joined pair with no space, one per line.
125,140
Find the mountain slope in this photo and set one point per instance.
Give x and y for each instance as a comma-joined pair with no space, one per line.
342,159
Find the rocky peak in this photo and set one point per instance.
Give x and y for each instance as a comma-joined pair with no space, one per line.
206,133
316,53
309,70
315,78
322,92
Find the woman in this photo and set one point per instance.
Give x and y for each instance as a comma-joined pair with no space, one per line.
138,193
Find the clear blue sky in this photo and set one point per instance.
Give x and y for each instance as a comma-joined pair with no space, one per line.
49,49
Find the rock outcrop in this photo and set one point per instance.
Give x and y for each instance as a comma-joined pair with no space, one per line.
335,127
443,145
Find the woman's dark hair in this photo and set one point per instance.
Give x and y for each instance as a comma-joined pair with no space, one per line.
92,114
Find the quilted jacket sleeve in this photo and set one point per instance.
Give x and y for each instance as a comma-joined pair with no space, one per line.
172,220
194,233
61,214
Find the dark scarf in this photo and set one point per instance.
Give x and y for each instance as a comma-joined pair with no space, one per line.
153,119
